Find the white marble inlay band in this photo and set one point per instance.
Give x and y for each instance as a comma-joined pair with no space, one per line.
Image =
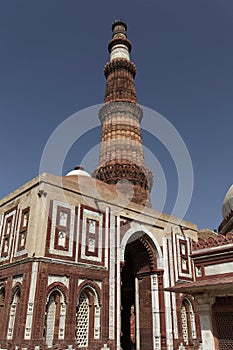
155,313
30,308
167,298
219,269
112,279
11,234
53,250
88,214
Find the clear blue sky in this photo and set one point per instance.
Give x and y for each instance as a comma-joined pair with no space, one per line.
52,54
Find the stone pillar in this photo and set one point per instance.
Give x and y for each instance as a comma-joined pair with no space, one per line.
204,305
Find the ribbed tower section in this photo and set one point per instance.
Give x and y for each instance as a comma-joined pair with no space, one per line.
121,159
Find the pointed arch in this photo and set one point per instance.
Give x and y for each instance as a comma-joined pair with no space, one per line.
54,323
16,289
142,263
83,319
151,255
15,299
58,286
88,313
137,232
93,288
188,320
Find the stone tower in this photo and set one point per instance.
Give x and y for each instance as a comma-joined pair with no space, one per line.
121,159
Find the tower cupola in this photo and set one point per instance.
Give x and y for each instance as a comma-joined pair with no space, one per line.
119,46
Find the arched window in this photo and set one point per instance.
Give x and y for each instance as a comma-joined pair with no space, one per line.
13,311
83,320
188,323
88,317
55,318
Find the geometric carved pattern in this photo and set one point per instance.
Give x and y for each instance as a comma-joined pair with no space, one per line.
62,229
223,316
7,234
92,290
145,243
82,320
156,312
224,322
193,324
125,169
182,248
184,256
184,323
23,228
22,233
115,72
188,323
92,235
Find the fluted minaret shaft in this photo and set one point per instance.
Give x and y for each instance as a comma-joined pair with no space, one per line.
121,152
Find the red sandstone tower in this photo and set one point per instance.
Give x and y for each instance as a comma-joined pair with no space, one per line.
121,159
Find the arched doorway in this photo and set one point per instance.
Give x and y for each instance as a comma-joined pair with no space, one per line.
136,294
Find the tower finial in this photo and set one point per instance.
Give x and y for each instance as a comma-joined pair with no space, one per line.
119,46
119,23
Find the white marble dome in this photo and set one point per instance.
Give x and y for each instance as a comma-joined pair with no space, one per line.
227,206
78,170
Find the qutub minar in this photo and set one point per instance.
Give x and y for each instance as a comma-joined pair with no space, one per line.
86,263
121,153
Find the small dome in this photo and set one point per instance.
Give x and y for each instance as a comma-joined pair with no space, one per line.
78,170
228,203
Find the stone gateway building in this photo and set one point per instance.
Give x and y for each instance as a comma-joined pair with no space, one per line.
85,262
